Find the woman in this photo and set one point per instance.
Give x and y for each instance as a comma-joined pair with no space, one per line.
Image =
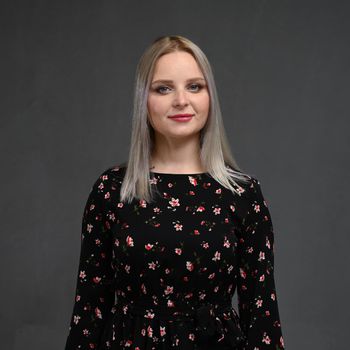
170,235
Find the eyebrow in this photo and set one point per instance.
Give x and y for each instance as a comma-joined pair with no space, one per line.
170,81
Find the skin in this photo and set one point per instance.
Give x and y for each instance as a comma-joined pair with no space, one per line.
177,144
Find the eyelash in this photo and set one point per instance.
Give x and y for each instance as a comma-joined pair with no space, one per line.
200,87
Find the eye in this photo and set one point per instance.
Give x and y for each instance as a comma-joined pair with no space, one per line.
199,86
159,89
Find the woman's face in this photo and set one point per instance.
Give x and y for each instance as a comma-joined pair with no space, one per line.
178,87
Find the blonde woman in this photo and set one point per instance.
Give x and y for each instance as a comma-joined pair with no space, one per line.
171,234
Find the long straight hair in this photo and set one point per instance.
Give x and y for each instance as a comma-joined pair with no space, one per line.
215,153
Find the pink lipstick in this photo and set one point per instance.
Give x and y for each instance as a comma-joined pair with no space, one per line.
181,117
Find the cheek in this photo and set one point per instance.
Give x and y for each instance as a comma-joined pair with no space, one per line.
204,102
155,105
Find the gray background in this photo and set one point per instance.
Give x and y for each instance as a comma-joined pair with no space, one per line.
67,70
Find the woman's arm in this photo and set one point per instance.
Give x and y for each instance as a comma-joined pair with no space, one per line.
257,299
94,294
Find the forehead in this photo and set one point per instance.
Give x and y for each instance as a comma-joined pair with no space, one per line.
177,64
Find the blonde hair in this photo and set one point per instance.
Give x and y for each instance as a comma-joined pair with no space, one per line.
215,153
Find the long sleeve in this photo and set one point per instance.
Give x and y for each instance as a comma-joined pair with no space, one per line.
94,294
257,299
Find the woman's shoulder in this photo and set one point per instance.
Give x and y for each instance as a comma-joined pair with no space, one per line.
112,172
109,180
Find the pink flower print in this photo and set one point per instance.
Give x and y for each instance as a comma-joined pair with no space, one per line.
201,208
97,279
261,256
189,266
101,186
205,245
196,232
233,208
152,265
174,202
77,298
86,331
127,268
227,243
178,227
178,251
82,274
111,216
149,314
167,271
107,195
128,343
170,303
193,180
250,250
282,342
216,256
262,278
116,242
273,296
191,193
168,290
120,205
98,313
129,241
170,185
148,246
218,191
89,228
266,339
149,331
211,276
153,180
240,190
142,203
268,243
156,210
217,211
76,319
191,336
259,303
257,208
242,273
206,185
98,242
162,331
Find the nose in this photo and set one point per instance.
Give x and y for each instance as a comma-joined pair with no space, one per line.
180,98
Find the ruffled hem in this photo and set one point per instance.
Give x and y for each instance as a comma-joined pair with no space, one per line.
206,327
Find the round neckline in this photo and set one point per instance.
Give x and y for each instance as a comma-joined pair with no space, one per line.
177,174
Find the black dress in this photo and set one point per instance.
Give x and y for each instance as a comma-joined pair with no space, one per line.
162,275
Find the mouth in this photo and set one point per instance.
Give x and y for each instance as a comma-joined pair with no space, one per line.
181,116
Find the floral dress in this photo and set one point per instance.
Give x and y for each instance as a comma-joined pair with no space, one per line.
162,275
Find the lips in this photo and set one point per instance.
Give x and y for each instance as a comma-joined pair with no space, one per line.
181,116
